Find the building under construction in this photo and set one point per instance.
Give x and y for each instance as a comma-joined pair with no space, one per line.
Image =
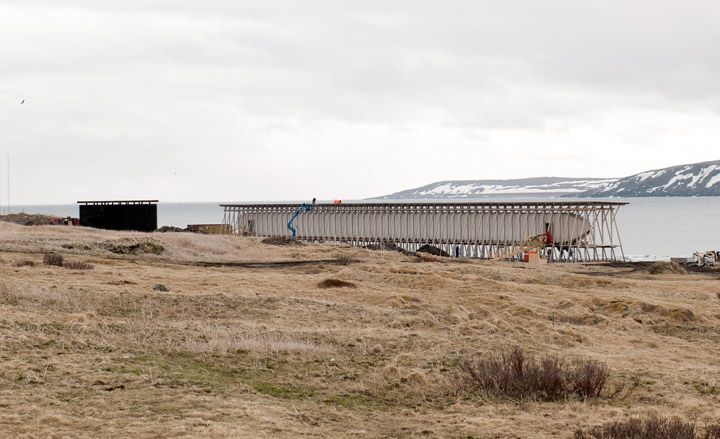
560,231
138,215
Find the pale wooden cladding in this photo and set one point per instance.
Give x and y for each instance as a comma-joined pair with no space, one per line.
581,231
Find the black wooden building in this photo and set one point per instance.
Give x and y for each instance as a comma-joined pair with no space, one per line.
139,215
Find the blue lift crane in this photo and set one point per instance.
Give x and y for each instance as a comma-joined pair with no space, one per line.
303,207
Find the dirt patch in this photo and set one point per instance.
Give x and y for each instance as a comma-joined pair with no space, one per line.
427,248
133,246
335,283
282,240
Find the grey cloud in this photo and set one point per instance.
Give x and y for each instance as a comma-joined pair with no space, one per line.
319,81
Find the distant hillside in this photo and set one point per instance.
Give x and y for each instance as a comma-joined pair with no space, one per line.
699,179
542,186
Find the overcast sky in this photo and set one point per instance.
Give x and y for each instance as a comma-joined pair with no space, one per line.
275,100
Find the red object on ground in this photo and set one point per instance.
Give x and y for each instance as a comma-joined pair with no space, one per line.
548,239
337,201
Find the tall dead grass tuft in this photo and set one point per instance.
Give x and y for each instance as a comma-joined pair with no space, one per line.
53,259
518,375
77,265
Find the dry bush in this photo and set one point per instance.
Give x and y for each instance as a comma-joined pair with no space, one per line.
335,283
517,375
665,267
712,431
53,259
77,265
133,246
648,428
25,264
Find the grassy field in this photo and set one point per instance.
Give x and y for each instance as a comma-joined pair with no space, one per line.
165,337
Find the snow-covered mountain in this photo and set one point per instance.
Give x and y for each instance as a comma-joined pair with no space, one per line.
699,179
542,186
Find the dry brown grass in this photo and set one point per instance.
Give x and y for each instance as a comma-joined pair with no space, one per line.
223,341
264,352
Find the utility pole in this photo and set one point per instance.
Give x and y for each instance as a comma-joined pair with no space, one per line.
8,184
0,194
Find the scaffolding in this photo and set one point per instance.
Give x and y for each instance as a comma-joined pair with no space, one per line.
581,231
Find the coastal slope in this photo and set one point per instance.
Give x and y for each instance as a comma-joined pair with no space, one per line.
540,186
698,179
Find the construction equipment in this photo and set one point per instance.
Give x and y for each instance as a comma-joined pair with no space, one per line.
706,259
303,207
531,244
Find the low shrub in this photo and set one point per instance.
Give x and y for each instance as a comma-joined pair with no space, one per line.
25,264
649,428
712,431
133,246
53,259
518,375
665,268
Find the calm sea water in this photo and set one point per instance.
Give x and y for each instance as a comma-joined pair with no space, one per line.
650,228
